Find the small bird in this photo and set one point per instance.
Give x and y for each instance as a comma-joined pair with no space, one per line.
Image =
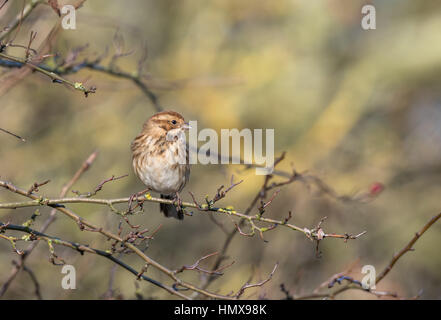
160,158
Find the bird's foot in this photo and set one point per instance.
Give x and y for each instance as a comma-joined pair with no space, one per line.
178,202
139,202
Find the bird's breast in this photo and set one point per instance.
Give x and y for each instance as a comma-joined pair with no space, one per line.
162,165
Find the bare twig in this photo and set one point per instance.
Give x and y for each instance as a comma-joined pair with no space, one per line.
33,278
354,284
13,134
259,284
407,248
3,4
196,266
130,246
59,205
36,185
84,167
99,187
24,13
55,77
84,248
288,295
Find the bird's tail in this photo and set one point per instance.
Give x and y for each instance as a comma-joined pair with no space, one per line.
170,210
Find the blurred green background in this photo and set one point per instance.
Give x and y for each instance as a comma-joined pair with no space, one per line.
352,107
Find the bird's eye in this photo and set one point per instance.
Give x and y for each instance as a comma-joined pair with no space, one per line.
173,122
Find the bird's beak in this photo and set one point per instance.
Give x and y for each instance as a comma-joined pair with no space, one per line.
185,126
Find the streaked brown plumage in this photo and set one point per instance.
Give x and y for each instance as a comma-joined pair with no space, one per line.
160,158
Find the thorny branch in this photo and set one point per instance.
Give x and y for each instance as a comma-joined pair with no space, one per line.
124,241
54,77
259,284
35,235
13,134
196,266
33,62
407,248
69,65
99,187
128,242
36,201
261,196
355,284
84,167
26,11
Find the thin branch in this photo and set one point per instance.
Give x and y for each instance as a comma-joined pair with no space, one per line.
55,77
130,246
356,285
260,195
34,280
196,266
3,4
36,185
99,187
59,205
407,248
136,79
20,17
84,248
13,134
84,167
259,284
288,295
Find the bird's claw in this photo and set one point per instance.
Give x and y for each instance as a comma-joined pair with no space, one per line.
178,202
139,202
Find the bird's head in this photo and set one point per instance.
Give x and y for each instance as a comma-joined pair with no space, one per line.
168,123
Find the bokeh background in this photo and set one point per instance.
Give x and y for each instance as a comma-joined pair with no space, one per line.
352,107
